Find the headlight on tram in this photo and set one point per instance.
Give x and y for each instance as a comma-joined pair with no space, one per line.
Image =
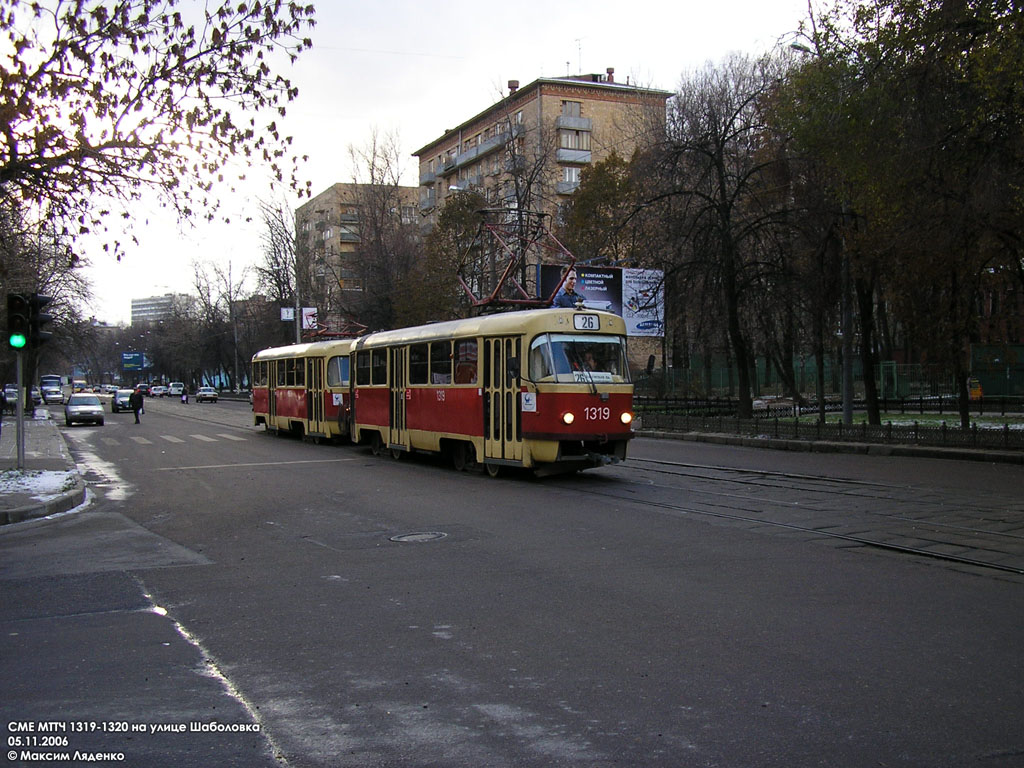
626,418
568,417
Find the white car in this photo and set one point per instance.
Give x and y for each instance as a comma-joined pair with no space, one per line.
52,395
158,391
206,394
84,408
175,389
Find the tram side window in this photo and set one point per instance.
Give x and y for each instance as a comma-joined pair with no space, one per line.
295,373
418,364
281,373
441,362
337,371
259,374
465,362
379,366
363,368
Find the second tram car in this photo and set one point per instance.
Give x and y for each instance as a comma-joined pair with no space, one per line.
542,389
304,389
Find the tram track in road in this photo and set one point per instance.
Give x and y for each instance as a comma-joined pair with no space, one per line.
850,488
892,529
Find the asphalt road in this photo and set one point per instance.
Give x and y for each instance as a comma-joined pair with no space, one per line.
693,607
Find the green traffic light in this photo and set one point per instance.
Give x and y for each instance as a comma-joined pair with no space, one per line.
17,340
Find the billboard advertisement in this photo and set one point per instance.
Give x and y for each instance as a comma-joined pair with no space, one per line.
635,295
132,361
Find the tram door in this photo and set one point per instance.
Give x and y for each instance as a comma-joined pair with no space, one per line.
315,396
397,433
272,392
502,419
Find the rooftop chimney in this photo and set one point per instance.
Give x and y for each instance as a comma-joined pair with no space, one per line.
513,86
611,74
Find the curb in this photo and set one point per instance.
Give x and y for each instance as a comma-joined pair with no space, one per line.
53,506
821,446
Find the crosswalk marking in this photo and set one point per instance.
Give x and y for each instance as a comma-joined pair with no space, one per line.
113,441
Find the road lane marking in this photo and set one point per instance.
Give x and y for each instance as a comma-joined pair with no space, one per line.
204,438
256,464
172,439
236,438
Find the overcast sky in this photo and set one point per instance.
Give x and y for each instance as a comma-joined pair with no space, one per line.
416,69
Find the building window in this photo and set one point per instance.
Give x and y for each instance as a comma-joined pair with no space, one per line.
571,108
350,280
574,139
571,174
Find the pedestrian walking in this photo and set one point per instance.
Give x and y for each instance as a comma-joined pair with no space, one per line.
135,401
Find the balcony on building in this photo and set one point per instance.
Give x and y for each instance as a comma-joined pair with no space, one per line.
574,123
578,156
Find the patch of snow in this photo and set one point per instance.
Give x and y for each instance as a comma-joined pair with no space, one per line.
41,485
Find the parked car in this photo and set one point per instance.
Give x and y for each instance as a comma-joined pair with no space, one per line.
83,408
143,388
158,391
206,394
37,396
11,396
110,389
175,389
120,401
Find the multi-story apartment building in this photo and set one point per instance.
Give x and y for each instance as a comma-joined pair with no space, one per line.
155,308
343,236
328,228
529,148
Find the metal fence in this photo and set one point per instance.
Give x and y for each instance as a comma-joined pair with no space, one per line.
892,380
766,408
1003,438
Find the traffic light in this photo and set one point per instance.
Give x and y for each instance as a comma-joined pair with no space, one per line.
39,320
18,322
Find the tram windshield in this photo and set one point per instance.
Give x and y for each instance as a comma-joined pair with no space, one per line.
566,357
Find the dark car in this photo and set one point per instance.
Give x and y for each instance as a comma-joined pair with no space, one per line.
83,408
120,401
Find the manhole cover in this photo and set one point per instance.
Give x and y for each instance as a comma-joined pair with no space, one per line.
413,538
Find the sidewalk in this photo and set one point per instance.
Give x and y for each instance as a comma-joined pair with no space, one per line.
50,484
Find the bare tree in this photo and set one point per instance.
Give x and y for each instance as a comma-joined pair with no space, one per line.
106,100
713,170
388,246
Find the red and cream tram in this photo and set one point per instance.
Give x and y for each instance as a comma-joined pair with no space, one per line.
304,389
544,389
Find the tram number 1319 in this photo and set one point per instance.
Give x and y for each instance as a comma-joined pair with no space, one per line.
586,322
594,413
